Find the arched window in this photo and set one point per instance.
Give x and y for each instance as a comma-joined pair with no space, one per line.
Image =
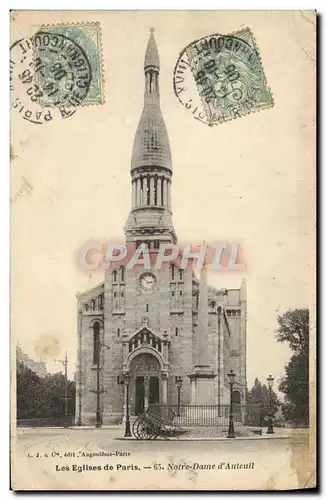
86,307
181,274
122,273
212,305
101,301
236,399
172,272
114,276
93,304
96,343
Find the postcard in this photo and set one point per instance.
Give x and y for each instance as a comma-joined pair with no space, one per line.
163,197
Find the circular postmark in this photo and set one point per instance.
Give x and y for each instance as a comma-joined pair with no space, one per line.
220,77
50,75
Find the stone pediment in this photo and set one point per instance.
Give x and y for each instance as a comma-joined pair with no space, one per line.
145,336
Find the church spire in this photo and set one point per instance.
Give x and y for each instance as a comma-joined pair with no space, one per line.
152,70
151,144
152,59
151,163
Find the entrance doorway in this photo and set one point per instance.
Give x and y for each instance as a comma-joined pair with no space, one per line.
153,396
154,391
140,395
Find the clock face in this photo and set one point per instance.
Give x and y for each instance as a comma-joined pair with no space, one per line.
147,282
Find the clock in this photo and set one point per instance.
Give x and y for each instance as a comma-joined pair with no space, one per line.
147,282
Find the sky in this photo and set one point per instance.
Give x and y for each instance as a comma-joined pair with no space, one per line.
250,180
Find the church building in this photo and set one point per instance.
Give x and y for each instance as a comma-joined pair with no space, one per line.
152,328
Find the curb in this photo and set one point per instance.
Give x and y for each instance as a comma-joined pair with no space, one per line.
240,438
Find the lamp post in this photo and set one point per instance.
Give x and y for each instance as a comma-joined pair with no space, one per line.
98,420
178,383
98,391
127,427
231,376
66,398
270,429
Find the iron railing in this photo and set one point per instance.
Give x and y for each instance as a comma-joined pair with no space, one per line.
46,422
208,415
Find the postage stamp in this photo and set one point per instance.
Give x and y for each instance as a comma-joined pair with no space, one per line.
220,77
68,64
56,71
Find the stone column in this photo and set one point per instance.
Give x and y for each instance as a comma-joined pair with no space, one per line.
124,408
159,192
152,191
138,192
165,194
133,194
146,386
165,347
243,328
202,331
145,192
164,389
193,391
202,387
169,194
124,348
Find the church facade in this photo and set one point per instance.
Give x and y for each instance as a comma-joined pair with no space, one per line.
148,328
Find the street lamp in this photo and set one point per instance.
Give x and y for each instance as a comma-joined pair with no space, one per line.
127,427
178,383
231,376
270,429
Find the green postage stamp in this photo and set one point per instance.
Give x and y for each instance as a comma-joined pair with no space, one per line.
220,77
68,64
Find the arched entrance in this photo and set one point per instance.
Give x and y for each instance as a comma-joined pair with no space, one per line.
145,371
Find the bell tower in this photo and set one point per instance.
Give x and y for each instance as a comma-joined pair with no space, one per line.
150,219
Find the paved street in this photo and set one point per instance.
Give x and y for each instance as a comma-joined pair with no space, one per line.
98,459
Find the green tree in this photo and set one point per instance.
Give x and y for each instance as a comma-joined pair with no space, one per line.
42,397
294,329
30,394
295,385
259,394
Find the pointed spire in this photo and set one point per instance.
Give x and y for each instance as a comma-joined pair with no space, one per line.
151,145
151,57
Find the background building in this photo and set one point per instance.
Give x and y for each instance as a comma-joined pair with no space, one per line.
37,366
